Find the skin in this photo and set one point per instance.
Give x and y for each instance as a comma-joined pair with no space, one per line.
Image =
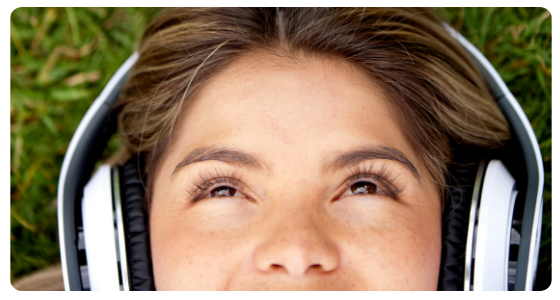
293,226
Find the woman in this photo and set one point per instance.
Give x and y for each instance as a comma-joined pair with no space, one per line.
301,148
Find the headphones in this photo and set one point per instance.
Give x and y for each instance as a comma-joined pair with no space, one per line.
491,223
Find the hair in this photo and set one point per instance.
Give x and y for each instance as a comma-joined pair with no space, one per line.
439,98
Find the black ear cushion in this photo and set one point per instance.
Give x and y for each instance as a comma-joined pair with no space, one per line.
455,221
136,228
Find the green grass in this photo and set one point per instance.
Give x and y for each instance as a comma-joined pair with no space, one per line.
60,61
61,58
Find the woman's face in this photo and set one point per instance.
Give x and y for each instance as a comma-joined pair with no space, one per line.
293,176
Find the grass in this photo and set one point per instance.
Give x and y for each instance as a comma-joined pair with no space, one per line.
61,58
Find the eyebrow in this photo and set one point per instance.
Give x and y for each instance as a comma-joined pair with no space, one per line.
224,154
342,160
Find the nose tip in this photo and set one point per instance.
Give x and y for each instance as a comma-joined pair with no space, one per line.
296,256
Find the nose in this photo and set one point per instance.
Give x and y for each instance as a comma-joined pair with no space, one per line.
296,246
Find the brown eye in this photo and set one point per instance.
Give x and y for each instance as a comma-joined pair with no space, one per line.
363,187
223,191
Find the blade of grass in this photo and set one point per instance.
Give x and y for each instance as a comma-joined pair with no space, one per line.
48,17
29,175
74,26
542,83
49,123
485,27
21,220
17,40
17,154
44,74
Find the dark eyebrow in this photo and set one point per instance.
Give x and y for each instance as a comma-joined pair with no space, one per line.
357,156
240,158
227,155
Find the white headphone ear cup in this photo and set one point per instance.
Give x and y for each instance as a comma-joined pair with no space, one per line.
455,222
495,213
136,227
99,232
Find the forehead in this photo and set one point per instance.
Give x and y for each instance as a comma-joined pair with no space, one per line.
289,109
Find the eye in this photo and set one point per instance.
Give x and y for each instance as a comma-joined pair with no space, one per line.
224,191
213,184
361,187
372,180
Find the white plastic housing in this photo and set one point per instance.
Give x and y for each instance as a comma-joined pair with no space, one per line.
494,229
99,232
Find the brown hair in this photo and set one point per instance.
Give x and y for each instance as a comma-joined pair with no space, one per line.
436,92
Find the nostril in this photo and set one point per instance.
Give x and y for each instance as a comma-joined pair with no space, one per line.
282,268
277,268
315,266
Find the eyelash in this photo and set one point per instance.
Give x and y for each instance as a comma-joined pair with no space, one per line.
207,180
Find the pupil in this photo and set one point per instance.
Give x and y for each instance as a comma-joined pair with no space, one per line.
363,188
223,191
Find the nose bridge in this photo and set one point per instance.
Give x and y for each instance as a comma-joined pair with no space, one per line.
295,241
297,227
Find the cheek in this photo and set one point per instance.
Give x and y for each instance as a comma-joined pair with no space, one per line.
395,246
181,259
190,263
196,249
